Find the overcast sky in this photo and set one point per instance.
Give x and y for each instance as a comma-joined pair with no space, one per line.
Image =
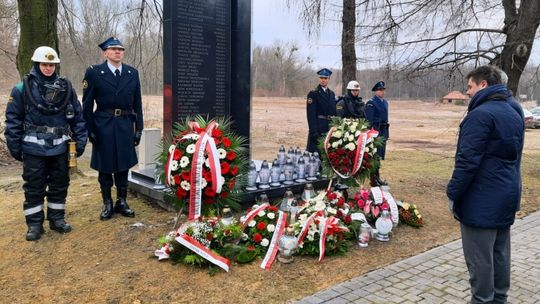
273,21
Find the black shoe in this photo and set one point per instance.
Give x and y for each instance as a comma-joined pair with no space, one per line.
123,208
34,232
381,182
60,226
106,211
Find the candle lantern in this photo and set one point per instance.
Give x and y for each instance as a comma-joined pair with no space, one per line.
264,176
287,201
252,177
289,171
301,169
287,246
308,193
311,169
384,226
275,173
364,235
227,217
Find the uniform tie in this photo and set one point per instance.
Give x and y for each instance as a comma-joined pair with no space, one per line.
117,73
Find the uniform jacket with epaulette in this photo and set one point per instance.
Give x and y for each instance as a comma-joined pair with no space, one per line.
42,131
321,105
116,117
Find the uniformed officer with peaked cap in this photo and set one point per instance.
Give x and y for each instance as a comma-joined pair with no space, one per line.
377,115
115,127
321,105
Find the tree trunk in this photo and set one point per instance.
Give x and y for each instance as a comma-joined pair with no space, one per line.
348,52
37,19
521,28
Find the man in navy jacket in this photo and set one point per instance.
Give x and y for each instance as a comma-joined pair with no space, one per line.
115,127
485,189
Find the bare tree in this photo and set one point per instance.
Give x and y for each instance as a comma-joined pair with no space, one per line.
313,14
37,20
451,34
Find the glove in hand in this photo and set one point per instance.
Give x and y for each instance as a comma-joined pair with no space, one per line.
137,138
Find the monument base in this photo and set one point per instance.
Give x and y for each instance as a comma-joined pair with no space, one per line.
142,182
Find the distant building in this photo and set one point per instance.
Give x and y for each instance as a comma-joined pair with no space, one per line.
455,97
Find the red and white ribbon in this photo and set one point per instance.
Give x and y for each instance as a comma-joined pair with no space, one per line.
248,217
273,247
204,143
323,229
306,226
363,139
204,252
168,165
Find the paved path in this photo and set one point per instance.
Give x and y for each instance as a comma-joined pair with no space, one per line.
440,275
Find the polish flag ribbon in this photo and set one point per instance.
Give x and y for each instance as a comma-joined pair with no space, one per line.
204,252
273,247
248,217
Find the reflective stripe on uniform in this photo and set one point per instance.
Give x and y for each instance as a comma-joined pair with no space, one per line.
56,206
58,141
33,210
34,139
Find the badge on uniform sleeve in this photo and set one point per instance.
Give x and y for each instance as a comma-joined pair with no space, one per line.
84,84
309,100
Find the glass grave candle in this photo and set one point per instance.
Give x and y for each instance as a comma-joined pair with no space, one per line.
264,176
252,177
301,170
275,173
287,246
384,226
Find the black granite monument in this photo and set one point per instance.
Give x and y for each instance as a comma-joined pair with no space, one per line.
207,59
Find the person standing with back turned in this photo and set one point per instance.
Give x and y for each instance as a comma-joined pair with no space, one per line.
485,189
115,127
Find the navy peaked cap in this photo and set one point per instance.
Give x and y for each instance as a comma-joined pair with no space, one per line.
324,73
378,86
111,42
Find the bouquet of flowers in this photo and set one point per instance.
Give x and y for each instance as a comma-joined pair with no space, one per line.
409,214
350,149
203,162
364,202
321,218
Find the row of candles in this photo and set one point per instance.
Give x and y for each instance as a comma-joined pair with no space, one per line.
287,168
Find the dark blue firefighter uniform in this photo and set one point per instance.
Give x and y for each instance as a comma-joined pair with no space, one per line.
321,105
117,116
377,115
37,133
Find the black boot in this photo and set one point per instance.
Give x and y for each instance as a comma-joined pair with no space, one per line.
60,226
121,205
374,181
380,181
107,210
34,232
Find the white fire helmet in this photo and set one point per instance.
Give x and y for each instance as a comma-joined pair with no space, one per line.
45,54
353,85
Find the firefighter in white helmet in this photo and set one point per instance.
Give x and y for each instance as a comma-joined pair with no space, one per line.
351,105
42,116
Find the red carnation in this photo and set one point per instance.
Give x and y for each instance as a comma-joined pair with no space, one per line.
208,200
177,179
361,203
339,213
272,208
216,133
331,195
181,193
347,219
231,155
261,225
257,237
224,194
232,182
225,167
341,151
226,142
340,202
208,191
186,175
216,141
234,170
207,176
351,154
366,155
177,154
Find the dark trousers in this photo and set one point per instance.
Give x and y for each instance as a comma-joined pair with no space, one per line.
487,254
119,179
45,176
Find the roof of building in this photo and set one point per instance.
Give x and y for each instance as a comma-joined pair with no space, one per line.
456,95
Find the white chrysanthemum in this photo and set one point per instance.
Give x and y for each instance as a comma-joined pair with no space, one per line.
204,183
174,165
221,153
265,242
271,215
245,237
351,137
191,136
261,213
366,150
350,146
331,210
337,134
254,207
190,149
320,205
252,223
353,127
270,228
346,134
171,149
185,185
310,237
375,150
184,161
335,144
